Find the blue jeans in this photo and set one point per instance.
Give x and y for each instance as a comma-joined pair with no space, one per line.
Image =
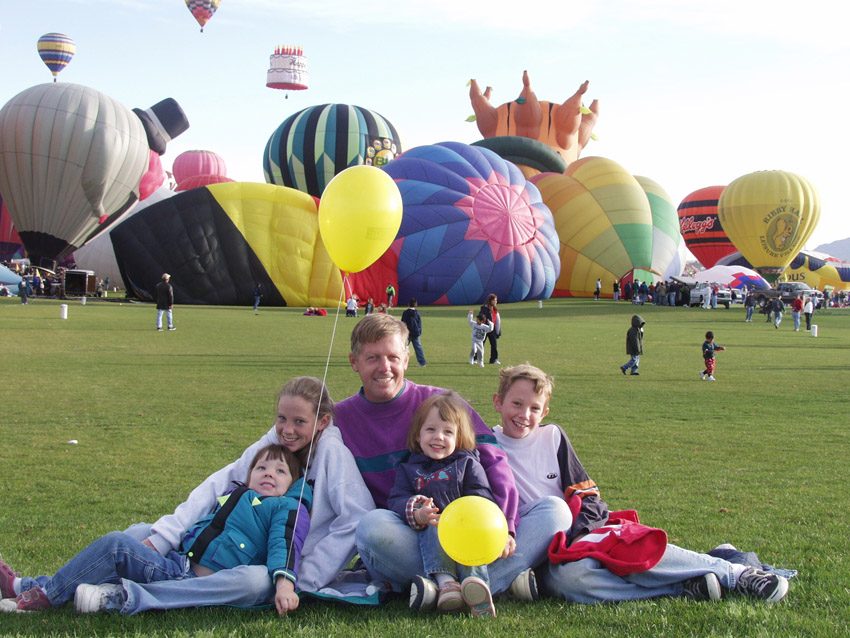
588,581
417,348
777,318
244,586
107,560
436,561
169,316
389,547
633,363
796,316
750,313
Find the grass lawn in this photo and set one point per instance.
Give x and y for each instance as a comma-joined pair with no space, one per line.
759,459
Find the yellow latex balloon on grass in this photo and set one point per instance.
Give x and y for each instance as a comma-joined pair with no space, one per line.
359,216
769,215
473,531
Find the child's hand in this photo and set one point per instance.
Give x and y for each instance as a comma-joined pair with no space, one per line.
285,598
510,547
428,514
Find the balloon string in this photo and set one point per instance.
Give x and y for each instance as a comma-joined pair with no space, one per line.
316,418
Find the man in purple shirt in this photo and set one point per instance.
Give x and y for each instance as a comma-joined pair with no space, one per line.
374,425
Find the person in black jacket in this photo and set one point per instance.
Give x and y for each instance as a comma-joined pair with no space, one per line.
413,320
634,345
164,302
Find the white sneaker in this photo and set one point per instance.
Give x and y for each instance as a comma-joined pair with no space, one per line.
481,363
89,599
471,362
702,375
711,377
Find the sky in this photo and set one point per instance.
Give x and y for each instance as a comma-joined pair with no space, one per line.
690,94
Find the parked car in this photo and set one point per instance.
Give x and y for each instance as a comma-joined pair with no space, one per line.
701,291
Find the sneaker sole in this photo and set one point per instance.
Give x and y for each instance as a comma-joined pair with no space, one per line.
422,598
477,595
715,592
10,606
780,592
87,599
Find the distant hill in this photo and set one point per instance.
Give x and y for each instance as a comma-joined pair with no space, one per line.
839,248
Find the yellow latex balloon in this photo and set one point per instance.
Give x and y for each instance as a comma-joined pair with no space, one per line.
769,215
359,216
473,531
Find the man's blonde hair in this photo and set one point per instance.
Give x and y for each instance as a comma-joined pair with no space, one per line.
540,381
373,328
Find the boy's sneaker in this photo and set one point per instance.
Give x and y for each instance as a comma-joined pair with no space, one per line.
623,370
761,584
423,594
635,374
705,587
524,587
7,580
90,599
449,598
711,377
33,600
477,595
702,375
471,361
481,363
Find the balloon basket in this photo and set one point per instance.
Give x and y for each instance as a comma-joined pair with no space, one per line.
63,311
814,330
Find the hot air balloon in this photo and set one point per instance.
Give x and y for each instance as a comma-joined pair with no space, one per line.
700,227
769,215
71,159
287,69
665,227
217,241
316,143
197,181
604,223
202,10
98,255
11,246
56,50
472,225
197,162
813,268
566,128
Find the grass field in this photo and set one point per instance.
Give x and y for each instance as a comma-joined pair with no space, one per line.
759,459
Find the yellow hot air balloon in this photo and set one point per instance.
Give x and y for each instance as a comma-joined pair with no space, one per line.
769,215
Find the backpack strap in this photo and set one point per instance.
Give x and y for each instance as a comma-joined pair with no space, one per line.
216,526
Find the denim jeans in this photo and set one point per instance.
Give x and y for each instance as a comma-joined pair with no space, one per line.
244,586
417,348
750,313
389,547
436,561
107,560
633,363
588,581
169,316
796,317
777,318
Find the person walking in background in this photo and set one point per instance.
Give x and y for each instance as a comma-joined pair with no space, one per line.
598,289
481,327
164,302
708,350
490,311
351,306
808,311
258,295
777,306
634,345
370,307
750,305
413,320
390,295
616,287
796,311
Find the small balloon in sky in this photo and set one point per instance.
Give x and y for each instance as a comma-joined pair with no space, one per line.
56,51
